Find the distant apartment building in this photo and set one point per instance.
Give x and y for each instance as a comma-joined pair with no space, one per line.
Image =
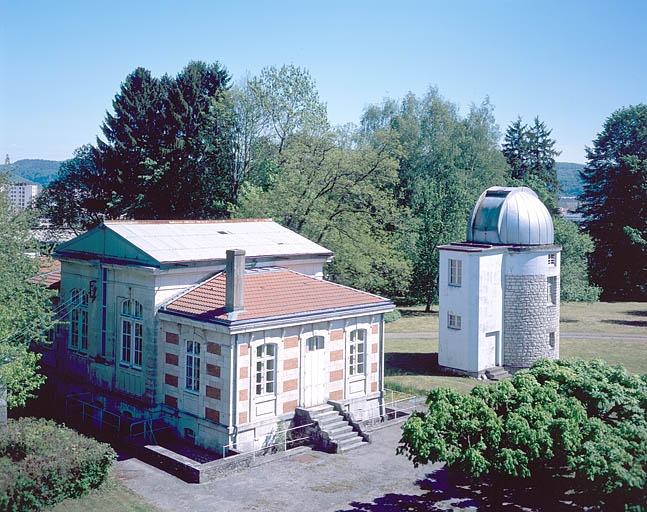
22,193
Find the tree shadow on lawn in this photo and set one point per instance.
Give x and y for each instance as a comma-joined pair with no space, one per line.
632,323
410,363
638,312
448,490
413,313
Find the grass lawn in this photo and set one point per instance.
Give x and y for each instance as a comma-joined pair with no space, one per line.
412,363
112,496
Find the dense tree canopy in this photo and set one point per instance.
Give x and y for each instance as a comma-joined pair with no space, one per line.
382,196
167,153
557,419
445,161
614,204
25,307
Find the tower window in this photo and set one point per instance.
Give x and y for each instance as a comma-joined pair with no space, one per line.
552,290
453,321
552,259
455,272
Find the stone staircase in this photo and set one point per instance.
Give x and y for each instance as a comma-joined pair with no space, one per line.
338,434
497,373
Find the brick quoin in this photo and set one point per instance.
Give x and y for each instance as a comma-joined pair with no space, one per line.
242,417
336,355
171,401
373,367
172,359
291,342
290,385
172,338
336,375
373,387
244,350
337,334
243,395
244,372
291,364
289,406
336,395
171,380
374,347
213,370
214,348
375,329
213,392
212,414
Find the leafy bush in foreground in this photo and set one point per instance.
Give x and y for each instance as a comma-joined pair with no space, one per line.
584,421
42,463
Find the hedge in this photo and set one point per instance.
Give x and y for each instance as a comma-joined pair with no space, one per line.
42,463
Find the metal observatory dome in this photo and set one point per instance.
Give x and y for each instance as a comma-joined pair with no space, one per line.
510,216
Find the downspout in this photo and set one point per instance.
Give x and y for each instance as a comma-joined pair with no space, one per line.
233,385
381,372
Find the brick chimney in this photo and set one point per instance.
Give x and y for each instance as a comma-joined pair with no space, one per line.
235,274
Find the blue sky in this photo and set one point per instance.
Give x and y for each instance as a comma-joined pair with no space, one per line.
572,63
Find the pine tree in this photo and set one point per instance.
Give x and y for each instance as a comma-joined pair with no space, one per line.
614,204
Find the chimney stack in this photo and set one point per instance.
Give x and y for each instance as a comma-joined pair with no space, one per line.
235,274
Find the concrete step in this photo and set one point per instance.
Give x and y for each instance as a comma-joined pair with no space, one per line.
321,409
497,373
328,417
351,444
338,430
346,435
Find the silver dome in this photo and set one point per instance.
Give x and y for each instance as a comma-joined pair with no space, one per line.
510,216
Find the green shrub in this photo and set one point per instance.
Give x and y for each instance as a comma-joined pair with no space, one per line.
42,463
392,316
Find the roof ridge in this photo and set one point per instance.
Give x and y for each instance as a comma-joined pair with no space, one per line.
184,221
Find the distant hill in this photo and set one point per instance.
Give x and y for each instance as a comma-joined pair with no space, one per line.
568,175
37,171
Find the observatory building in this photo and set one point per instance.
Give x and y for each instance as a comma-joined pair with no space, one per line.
499,291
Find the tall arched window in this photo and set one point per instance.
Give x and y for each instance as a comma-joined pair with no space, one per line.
131,333
356,352
265,375
79,320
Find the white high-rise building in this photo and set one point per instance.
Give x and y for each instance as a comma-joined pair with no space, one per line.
22,193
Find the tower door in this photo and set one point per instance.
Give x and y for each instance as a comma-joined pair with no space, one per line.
491,352
314,377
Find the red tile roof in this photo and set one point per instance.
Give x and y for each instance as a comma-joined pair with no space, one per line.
50,280
272,293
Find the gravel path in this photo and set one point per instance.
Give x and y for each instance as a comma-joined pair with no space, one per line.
371,478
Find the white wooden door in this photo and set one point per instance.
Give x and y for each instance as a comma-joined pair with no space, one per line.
314,372
491,352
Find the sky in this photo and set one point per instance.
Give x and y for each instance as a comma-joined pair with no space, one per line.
572,63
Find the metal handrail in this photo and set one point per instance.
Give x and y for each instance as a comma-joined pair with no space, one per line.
282,444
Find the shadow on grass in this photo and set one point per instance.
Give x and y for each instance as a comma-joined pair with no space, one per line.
632,323
404,363
638,312
413,313
449,490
